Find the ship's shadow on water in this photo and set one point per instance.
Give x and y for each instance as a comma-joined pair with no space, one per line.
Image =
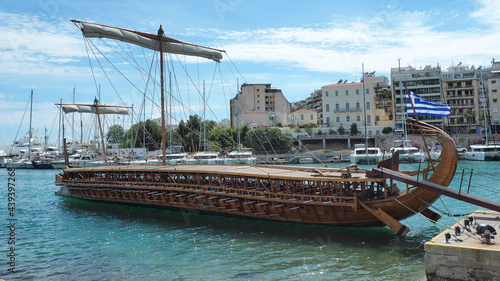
186,220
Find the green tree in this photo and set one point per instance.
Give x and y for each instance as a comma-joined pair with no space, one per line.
354,129
268,139
386,130
341,130
116,134
227,138
191,133
469,114
308,130
146,134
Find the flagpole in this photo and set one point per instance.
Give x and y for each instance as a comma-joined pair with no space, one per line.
419,127
364,108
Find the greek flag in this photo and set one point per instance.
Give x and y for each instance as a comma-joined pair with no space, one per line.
425,107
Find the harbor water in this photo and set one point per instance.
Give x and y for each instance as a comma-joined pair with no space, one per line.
59,238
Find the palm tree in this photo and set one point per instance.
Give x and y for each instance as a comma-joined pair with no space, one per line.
469,114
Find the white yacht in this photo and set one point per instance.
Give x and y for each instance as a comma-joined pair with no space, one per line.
240,157
489,151
366,155
204,158
82,159
407,153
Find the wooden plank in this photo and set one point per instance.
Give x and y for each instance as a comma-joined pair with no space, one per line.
398,228
469,198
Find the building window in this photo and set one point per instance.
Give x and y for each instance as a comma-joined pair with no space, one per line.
357,106
327,109
346,106
328,120
301,116
367,91
338,119
346,92
357,91
348,118
258,101
495,100
367,105
493,81
337,107
358,118
326,94
494,91
258,107
336,93
368,119
258,90
312,117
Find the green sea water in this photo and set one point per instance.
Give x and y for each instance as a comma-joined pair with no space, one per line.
59,238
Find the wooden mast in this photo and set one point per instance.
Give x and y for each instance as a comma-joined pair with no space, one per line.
163,140
96,103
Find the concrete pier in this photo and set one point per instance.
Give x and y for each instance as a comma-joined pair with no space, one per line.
461,253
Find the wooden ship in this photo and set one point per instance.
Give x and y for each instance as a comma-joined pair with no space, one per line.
347,196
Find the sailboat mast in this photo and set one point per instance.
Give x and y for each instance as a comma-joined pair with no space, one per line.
163,141
30,131
364,106
483,96
238,114
204,129
402,104
170,105
59,132
96,103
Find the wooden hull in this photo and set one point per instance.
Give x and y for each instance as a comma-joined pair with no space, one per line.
337,206
312,195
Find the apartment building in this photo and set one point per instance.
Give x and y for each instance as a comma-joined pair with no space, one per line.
425,82
493,93
345,103
259,104
462,89
472,94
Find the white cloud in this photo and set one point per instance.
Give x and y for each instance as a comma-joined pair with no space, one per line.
488,11
33,46
379,42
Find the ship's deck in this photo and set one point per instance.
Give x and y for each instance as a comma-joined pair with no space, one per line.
289,172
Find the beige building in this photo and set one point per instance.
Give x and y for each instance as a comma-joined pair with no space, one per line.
470,93
493,93
462,89
425,82
259,98
303,117
345,104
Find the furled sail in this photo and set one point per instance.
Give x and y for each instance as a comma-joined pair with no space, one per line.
90,108
148,40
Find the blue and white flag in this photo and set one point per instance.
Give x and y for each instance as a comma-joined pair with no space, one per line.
425,107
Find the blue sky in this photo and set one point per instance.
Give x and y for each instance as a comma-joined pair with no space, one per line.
296,46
